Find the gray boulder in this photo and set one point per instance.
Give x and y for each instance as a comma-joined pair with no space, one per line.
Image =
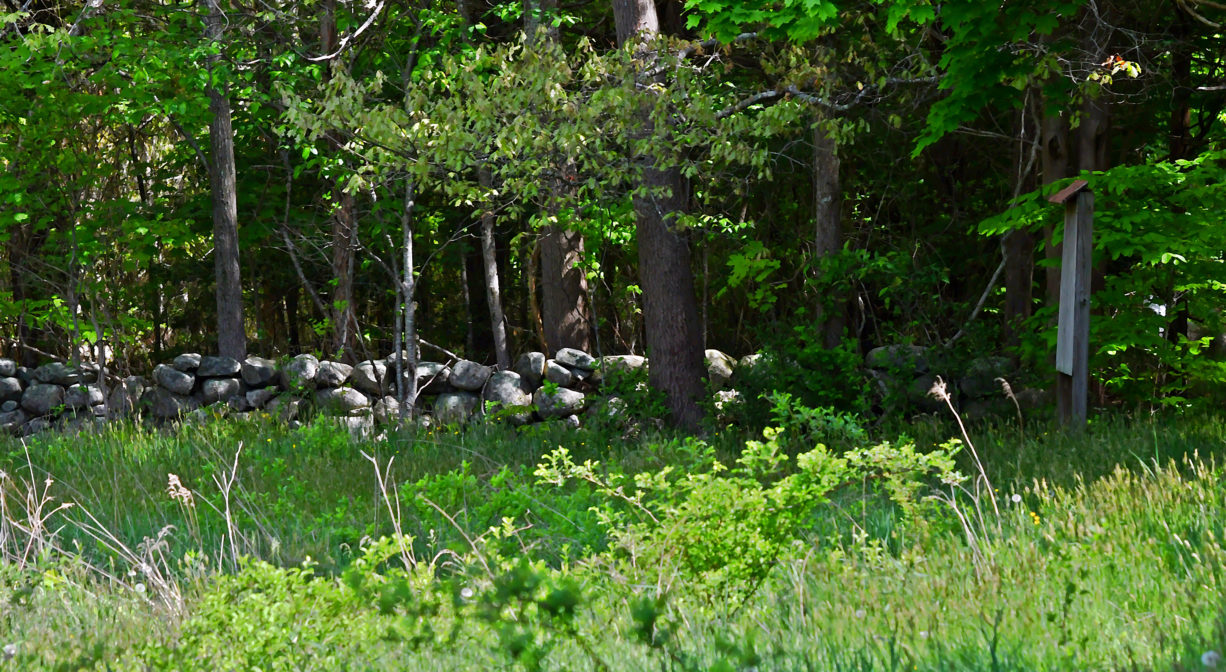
239,405
332,374
559,404
469,376
218,367
10,389
615,364
341,400
981,374
433,378
173,379
387,411
167,405
531,368
358,427
259,372
898,358
10,406
125,397
719,368
187,362
8,368
285,408
299,373
220,389
58,373
11,421
505,389
371,377
454,408
575,358
83,396
558,374
42,398
259,398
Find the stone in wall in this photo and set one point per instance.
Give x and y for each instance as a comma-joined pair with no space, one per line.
83,396
58,373
531,368
166,405
11,421
387,410
575,358
371,377
979,381
433,378
42,398
259,372
341,400
8,368
285,408
259,398
332,374
453,408
558,374
558,404
10,389
719,368
469,376
506,389
220,389
218,367
299,373
172,379
187,362
613,364
125,396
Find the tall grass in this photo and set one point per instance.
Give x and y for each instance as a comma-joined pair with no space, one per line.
304,550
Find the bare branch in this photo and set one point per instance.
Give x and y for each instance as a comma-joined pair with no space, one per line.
349,38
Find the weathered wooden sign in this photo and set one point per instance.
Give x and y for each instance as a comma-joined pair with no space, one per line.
1073,329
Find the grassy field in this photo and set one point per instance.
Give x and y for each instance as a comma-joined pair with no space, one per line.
548,548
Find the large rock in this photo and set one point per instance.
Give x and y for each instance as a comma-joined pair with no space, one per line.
453,408
167,405
981,374
220,389
11,421
125,397
10,389
531,368
8,368
187,362
469,376
172,379
576,359
387,410
332,374
42,398
259,372
433,378
558,374
259,398
615,364
359,427
341,400
901,358
83,396
371,377
218,367
506,390
298,375
285,408
58,373
558,404
719,368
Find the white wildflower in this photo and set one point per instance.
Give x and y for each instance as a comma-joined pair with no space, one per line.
1017,499
1210,659
10,650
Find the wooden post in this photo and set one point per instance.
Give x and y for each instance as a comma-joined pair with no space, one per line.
1073,335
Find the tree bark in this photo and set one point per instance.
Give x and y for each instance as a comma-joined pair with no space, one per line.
564,291
1054,165
828,233
344,227
670,308
231,336
1017,246
493,289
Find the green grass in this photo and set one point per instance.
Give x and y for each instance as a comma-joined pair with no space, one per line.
1111,558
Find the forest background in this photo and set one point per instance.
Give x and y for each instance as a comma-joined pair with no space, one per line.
808,178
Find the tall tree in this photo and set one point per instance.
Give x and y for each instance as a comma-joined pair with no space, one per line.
670,307
231,336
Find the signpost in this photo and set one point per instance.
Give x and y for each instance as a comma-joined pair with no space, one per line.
1073,330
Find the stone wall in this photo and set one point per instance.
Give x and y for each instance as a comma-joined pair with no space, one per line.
536,388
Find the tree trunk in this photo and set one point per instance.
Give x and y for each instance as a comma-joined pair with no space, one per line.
1018,246
828,234
344,227
493,289
564,291
1054,164
670,309
231,337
